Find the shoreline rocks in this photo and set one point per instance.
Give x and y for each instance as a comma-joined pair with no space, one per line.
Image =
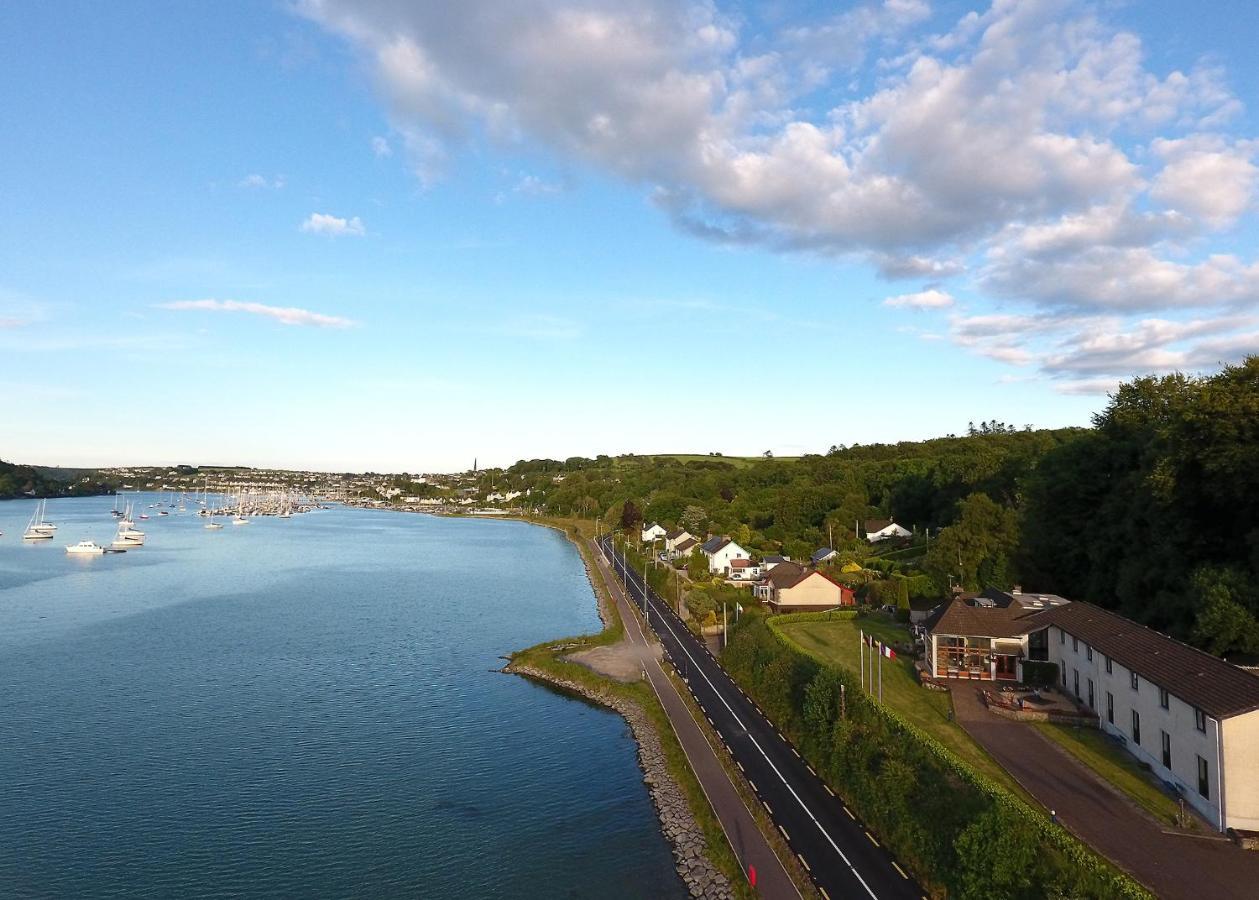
702,879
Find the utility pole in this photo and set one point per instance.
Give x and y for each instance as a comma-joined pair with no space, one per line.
861,654
724,636
880,671
843,702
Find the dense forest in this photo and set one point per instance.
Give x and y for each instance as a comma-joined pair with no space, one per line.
1153,511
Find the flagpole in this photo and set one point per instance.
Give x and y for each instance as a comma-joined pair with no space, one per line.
861,653
880,671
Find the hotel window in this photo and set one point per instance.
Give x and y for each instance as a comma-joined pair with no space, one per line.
1163,699
1062,636
1167,750
1075,645
1092,705
1076,672
1200,720
1136,727
1204,780
1132,678
1110,707
1108,666
1088,652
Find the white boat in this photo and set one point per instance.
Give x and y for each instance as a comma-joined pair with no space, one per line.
127,536
213,524
90,548
239,518
37,529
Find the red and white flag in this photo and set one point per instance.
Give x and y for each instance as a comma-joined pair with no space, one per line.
887,651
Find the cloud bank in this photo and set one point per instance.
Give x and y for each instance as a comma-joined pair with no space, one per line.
1028,148
322,223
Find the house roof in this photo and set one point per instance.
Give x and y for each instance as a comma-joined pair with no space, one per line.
740,563
674,535
873,525
685,546
821,554
712,545
776,559
960,616
1218,688
651,526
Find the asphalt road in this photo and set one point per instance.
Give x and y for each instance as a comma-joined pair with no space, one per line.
843,857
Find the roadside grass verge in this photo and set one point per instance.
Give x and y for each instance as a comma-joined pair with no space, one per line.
548,656
1091,747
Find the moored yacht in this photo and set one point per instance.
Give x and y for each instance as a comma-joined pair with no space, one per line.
90,548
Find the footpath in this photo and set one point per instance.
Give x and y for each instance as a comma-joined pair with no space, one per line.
744,835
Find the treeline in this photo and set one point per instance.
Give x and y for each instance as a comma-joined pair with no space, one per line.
1152,512
1155,511
31,481
957,831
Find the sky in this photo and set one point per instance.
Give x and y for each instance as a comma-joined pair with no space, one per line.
396,236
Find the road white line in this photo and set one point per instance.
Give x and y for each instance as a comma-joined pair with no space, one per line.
872,840
755,743
900,870
786,837
803,862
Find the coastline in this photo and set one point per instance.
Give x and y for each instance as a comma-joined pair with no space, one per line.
694,863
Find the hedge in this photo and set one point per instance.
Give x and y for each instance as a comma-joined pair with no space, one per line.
933,811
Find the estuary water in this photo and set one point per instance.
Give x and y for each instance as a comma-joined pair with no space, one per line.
305,708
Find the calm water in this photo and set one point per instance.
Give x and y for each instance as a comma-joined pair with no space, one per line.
305,708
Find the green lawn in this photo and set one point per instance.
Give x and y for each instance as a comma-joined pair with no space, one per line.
1115,766
836,642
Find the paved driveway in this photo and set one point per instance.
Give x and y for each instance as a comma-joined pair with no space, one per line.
1175,867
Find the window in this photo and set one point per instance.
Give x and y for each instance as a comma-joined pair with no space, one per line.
1062,636
1132,677
1109,670
1075,645
1110,707
1088,651
1076,672
1092,705
1204,780
1163,700
1167,750
1200,719
1064,676
1136,727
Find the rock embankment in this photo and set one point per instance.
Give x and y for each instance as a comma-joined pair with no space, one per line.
701,877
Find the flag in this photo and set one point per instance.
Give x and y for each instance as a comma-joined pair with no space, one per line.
869,639
887,651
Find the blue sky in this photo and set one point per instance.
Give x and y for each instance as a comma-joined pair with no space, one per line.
392,236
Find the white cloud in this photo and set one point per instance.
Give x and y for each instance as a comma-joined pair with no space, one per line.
381,147
1033,144
928,299
322,223
287,315
261,182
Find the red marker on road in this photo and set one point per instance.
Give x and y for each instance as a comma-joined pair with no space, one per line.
752,875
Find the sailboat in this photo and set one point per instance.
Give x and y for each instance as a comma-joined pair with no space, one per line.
37,529
240,512
127,535
213,524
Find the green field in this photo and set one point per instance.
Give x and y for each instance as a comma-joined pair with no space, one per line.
837,643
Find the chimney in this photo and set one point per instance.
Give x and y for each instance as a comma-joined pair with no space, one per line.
1017,589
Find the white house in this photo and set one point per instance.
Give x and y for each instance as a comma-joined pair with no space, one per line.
744,570
721,551
652,532
823,555
884,529
1192,718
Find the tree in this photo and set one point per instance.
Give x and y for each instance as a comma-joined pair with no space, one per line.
693,519
631,516
996,857
978,551
697,566
1223,624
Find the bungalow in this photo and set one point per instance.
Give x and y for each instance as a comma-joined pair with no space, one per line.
823,556
744,570
770,561
652,532
883,529
790,587
673,538
1192,718
721,551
